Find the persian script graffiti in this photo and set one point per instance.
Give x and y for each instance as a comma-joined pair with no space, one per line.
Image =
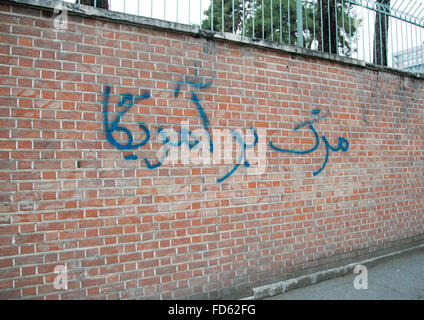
185,136
127,101
343,144
192,140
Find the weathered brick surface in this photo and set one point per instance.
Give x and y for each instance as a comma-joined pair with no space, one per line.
68,196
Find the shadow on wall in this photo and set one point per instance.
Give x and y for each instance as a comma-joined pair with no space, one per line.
103,4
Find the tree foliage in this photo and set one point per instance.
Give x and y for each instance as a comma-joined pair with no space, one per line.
256,19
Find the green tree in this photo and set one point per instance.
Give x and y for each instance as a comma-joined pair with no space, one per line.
318,34
339,26
230,24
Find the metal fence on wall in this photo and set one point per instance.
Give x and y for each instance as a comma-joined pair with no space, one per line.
382,32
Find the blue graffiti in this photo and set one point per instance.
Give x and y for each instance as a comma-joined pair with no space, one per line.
199,107
243,146
126,103
184,136
343,144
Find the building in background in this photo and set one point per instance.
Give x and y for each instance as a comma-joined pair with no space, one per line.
411,60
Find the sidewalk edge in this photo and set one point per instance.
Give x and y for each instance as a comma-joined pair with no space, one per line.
316,277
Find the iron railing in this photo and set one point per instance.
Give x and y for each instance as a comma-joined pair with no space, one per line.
381,32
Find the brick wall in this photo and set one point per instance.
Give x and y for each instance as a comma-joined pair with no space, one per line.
88,112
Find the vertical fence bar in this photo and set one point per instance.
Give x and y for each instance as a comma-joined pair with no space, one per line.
299,23
419,46
412,39
243,20
422,50
151,8
416,33
306,19
343,26
212,15
374,41
363,32
232,14
412,43
222,15
401,50
189,12
384,54
350,29
329,30
397,42
408,53
253,18
381,34
263,24
337,33
138,7
313,19
357,43
322,28
363,42
386,28
164,11
288,15
272,24
416,47
177,13
407,43
281,25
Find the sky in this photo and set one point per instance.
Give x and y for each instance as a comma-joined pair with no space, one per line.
402,35
162,9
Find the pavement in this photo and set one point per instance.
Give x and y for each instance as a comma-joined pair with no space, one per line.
398,278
